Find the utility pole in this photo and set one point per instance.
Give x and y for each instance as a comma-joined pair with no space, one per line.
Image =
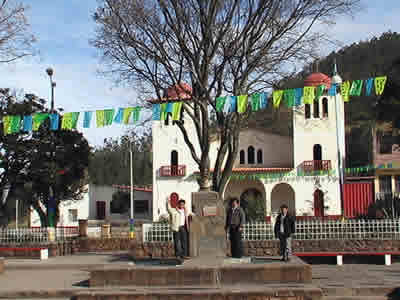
131,221
51,201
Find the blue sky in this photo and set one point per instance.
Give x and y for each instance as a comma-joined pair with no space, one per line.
64,27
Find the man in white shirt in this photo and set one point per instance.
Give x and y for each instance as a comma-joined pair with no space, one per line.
179,227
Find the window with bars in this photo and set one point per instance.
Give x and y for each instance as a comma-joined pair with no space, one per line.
72,215
385,184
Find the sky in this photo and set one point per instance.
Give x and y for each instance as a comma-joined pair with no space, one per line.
63,29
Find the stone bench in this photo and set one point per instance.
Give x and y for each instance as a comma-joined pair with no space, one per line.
26,252
1,265
339,255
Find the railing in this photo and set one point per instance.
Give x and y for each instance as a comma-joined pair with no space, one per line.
305,230
316,165
173,171
36,235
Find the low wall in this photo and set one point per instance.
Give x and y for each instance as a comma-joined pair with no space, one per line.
141,250
33,250
264,248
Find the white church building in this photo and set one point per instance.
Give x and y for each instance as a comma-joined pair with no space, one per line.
312,148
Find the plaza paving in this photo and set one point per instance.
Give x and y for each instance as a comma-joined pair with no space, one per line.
59,277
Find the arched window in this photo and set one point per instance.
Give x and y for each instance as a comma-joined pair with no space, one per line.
250,155
316,109
307,111
325,107
174,163
242,155
259,156
317,157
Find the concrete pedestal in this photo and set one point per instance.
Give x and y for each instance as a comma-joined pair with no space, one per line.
207,233
83,228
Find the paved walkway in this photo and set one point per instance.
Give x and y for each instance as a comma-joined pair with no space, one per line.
70,273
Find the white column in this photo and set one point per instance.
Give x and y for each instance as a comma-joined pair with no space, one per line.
388,259
339,260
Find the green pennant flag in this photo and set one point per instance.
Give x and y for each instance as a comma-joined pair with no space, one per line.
242,103
136,114
277,98
220,103
7,124
255,101
126,115
74,119
308,94
320,90
356,88
289,97
163,111
176,111
38,119
66,122
15,124
108,116
100,118
380,84
345,91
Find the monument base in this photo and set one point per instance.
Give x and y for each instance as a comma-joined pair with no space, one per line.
205,272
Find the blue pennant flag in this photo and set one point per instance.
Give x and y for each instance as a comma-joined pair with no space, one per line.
119,116
27,123
263,100
87,117
333,90
298,94
170,107
368,86
156,112
54,121
233,103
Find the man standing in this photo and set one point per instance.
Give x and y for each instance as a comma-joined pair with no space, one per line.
179,224
235,221
284,228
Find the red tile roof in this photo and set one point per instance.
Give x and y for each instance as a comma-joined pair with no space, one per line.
179,92
258,170
128,187
316,79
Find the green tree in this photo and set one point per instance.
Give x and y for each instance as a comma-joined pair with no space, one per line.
110,163
32,161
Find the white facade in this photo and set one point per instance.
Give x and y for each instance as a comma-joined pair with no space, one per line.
88,207
314,139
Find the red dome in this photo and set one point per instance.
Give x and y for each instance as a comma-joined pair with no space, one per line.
316,79
179,91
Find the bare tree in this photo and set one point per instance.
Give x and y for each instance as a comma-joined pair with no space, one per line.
217,46
16,41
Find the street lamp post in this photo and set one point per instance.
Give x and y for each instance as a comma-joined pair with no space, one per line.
337,80
131,221
51,204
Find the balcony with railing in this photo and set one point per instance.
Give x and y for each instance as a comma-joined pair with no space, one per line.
173,171
312,166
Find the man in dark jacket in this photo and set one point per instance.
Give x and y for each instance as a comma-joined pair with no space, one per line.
235,220
284,227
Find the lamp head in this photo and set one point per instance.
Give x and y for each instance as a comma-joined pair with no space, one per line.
49,71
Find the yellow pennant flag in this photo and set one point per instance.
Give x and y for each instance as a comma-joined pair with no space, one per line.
66,122
100,118
308,94
7,124
277,98
176,111
380,84
126,115
242,103
345,91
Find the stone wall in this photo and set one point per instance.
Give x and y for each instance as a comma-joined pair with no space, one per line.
33,250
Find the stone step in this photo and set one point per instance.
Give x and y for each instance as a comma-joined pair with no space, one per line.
392,291
356,298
